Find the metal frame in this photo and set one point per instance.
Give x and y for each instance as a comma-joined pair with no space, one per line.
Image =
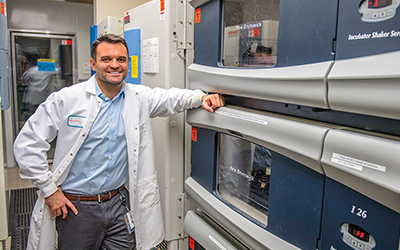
10,116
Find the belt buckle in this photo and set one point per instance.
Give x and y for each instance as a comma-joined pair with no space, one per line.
99,196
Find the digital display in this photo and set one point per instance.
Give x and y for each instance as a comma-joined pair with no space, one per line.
375,4
359,233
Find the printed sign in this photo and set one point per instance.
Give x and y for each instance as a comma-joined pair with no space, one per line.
246,118
254,32
66,42
197,15
194,134
3,9
46,64
151,58
191,243
354,163
162,9
127,18
135,66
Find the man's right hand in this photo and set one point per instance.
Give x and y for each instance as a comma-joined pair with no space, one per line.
58,203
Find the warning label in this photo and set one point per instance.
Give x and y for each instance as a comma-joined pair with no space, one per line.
197,15
354,163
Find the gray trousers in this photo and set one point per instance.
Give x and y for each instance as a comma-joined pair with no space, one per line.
96,226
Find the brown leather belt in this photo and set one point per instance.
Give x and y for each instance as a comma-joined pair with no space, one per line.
99,197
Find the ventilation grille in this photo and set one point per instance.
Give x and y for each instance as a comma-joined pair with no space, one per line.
22,202
162,246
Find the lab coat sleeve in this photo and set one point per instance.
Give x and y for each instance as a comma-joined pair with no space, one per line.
33,142
172,101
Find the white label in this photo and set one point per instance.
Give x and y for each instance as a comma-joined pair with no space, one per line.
151,59
246,118
355,163
87,69
76,121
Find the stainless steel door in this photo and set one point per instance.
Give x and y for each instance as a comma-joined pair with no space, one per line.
41,64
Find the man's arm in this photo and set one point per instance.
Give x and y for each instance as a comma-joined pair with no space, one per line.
30,151
211,102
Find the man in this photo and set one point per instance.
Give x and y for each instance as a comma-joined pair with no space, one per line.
258,56
103,135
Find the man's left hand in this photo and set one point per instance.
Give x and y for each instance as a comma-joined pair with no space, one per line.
211,102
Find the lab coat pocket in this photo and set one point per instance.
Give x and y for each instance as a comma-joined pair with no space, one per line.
148,192
144,138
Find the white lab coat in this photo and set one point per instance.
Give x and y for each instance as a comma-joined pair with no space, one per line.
69,114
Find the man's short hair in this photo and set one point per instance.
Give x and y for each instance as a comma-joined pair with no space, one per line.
109,38
249,54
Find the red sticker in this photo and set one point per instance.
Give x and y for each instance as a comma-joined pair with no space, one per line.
3,8
197,15
162,5
191,243
194,134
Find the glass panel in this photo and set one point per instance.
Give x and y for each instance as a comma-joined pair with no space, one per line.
243,176
250,33
43,65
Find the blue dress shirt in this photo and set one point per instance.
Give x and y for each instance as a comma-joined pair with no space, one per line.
101,164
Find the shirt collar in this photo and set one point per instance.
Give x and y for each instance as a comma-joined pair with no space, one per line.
100,94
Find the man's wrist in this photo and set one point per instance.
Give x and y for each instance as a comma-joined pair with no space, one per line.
49,189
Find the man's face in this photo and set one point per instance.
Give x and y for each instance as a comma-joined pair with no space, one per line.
263,60
111,64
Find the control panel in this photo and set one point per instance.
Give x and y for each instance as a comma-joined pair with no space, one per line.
356,237
378,10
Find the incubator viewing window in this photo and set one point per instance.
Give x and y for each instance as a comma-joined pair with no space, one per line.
244,172
250,33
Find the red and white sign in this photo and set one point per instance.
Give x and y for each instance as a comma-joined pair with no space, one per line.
197,15
66,42
3,9
254,32
194,134
162,9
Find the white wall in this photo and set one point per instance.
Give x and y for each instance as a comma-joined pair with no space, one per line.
53,16
105,8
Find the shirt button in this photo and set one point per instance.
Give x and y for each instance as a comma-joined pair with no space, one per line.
111,120
111,158
108,175
112,139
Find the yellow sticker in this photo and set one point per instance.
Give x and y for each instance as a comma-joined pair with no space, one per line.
135,66
46,60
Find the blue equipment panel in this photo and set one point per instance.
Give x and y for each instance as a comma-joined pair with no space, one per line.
295,192
204,160
371,221
295,202
93,37
359,37
4,87
132,38
307,30
207,34
306,35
